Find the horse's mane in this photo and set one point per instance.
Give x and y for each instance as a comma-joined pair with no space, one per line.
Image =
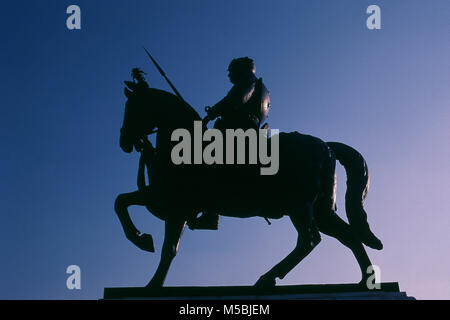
173,108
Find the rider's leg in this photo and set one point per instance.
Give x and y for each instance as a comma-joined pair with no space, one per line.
210,220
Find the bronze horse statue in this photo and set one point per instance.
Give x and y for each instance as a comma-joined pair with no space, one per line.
303,187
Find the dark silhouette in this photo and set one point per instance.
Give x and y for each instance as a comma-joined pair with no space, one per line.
386,291
303,188
247,103
245,106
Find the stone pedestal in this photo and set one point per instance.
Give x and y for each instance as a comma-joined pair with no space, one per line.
388,291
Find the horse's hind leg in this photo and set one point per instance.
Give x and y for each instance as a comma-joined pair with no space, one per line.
308,238
331,224
173,231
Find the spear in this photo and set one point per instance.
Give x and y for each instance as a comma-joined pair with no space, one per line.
164,75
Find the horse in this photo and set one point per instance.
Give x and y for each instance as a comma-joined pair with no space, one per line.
305,188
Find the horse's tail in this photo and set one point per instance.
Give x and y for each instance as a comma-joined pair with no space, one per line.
357,188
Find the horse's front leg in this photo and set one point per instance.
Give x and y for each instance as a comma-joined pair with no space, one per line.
123,201
173,231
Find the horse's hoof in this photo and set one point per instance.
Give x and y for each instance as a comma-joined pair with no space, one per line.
143,241
146,242
153,285
265,282
368,283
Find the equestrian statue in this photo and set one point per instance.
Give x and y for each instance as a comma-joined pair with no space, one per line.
304,187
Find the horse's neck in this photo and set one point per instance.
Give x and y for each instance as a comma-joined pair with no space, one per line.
164,141
173,118
172,113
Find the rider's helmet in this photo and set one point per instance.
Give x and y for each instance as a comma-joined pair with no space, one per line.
241,68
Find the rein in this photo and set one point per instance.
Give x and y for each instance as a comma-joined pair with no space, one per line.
147,154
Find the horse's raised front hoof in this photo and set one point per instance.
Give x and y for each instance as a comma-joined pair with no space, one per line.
146,242
265,282
143,241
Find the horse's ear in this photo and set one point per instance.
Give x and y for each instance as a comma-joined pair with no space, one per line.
128,93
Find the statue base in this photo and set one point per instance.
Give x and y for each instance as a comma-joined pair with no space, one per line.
387,291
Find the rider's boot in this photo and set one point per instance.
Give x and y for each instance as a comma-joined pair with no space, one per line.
207,221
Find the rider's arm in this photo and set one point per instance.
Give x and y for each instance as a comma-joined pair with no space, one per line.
239,94
226,103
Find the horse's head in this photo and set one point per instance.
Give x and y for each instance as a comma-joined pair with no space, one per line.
138,121
148,108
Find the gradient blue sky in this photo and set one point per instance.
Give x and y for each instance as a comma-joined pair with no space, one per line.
384,92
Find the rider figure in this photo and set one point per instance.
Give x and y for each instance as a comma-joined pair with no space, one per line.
238,109
245,106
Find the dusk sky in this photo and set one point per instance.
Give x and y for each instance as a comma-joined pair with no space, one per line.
384,92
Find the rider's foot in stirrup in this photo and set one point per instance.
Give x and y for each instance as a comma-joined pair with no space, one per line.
207,221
